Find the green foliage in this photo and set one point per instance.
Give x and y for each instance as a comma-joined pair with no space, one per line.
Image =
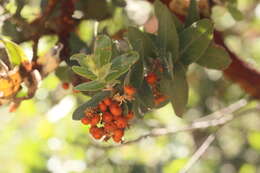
15,53
174,46
90,86
99,66
193,14
236,14
79,112
195,40
215,57
168,39
103,50
84,72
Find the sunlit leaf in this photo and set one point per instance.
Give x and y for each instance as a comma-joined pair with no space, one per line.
236,14
121,65
103,50
195,40
15,53
84,72
90,86
88,61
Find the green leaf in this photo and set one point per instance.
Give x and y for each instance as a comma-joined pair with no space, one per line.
215,57
103,71
137,74
141,42
125,60
167,35
121,65
236,14
90,86
145,96
193,14
195,40
177,89
116,74
80,58
84,72
103,50
79,112
64,73
179,25
15,53
87,61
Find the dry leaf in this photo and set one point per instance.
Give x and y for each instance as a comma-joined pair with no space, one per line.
10,83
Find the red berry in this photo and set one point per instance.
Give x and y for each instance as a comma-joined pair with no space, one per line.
118,134
93,129
65,85
115,109
151,78
96,132
85,120
107,117
95,119
102,106
159,99
121,122
129,90
130,115
110,127
107,101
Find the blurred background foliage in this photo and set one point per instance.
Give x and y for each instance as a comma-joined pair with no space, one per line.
41,136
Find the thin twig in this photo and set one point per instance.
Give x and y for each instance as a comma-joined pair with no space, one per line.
217,118
196,156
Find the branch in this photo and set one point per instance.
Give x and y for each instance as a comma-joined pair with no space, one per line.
215,119
195,157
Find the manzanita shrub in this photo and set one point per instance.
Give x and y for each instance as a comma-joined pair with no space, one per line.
147,74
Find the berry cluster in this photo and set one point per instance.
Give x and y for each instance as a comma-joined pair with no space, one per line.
107,119
152,79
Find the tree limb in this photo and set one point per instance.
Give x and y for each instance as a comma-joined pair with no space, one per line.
215,119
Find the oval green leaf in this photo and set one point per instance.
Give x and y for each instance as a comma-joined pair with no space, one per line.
215,57
90,86
79,112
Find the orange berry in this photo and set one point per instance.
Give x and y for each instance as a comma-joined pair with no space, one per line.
151,78
121,122
95,119
115,109
65,85
110,127
129,90
102,106
85,120
159,99
107,101
93,129
96,132
118,134
75,91
117,139
130,115
107,117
